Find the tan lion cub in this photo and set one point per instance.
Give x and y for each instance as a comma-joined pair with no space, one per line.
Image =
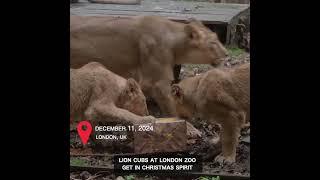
221,96
98,94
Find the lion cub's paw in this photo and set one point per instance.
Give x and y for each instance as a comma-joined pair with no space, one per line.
225,160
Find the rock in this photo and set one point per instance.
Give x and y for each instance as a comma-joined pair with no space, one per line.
120,178
227,64
85,175
191,141
246,139
215,140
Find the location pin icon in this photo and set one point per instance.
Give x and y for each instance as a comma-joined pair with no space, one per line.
84,134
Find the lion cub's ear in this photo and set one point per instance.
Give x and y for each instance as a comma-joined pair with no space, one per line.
132,87
177,92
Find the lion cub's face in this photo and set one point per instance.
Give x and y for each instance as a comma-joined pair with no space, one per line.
133,99
204,45
184,105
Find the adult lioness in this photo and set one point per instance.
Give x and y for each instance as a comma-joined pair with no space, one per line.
218,96
97,94
145,48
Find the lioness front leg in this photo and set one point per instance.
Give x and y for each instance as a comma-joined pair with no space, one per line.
157,71
161,92
110,111
229,138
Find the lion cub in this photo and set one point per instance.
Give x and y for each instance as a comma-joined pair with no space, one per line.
221,96
97,94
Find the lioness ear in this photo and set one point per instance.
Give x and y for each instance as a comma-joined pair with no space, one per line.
177,92
132,86
195,22
192,32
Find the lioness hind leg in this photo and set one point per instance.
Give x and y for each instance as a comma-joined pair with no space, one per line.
231,127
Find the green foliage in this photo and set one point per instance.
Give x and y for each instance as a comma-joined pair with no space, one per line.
78,162
208,178
204,178
234,51
130,177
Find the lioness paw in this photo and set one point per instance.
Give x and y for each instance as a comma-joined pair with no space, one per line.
225,159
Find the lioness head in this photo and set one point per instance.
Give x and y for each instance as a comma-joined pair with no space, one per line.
202,46
132,99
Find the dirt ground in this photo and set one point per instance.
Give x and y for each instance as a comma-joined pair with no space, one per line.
204,146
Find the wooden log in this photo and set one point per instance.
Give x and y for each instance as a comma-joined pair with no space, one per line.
168,135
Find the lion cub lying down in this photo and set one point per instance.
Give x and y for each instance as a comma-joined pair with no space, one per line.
221,96
97,94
